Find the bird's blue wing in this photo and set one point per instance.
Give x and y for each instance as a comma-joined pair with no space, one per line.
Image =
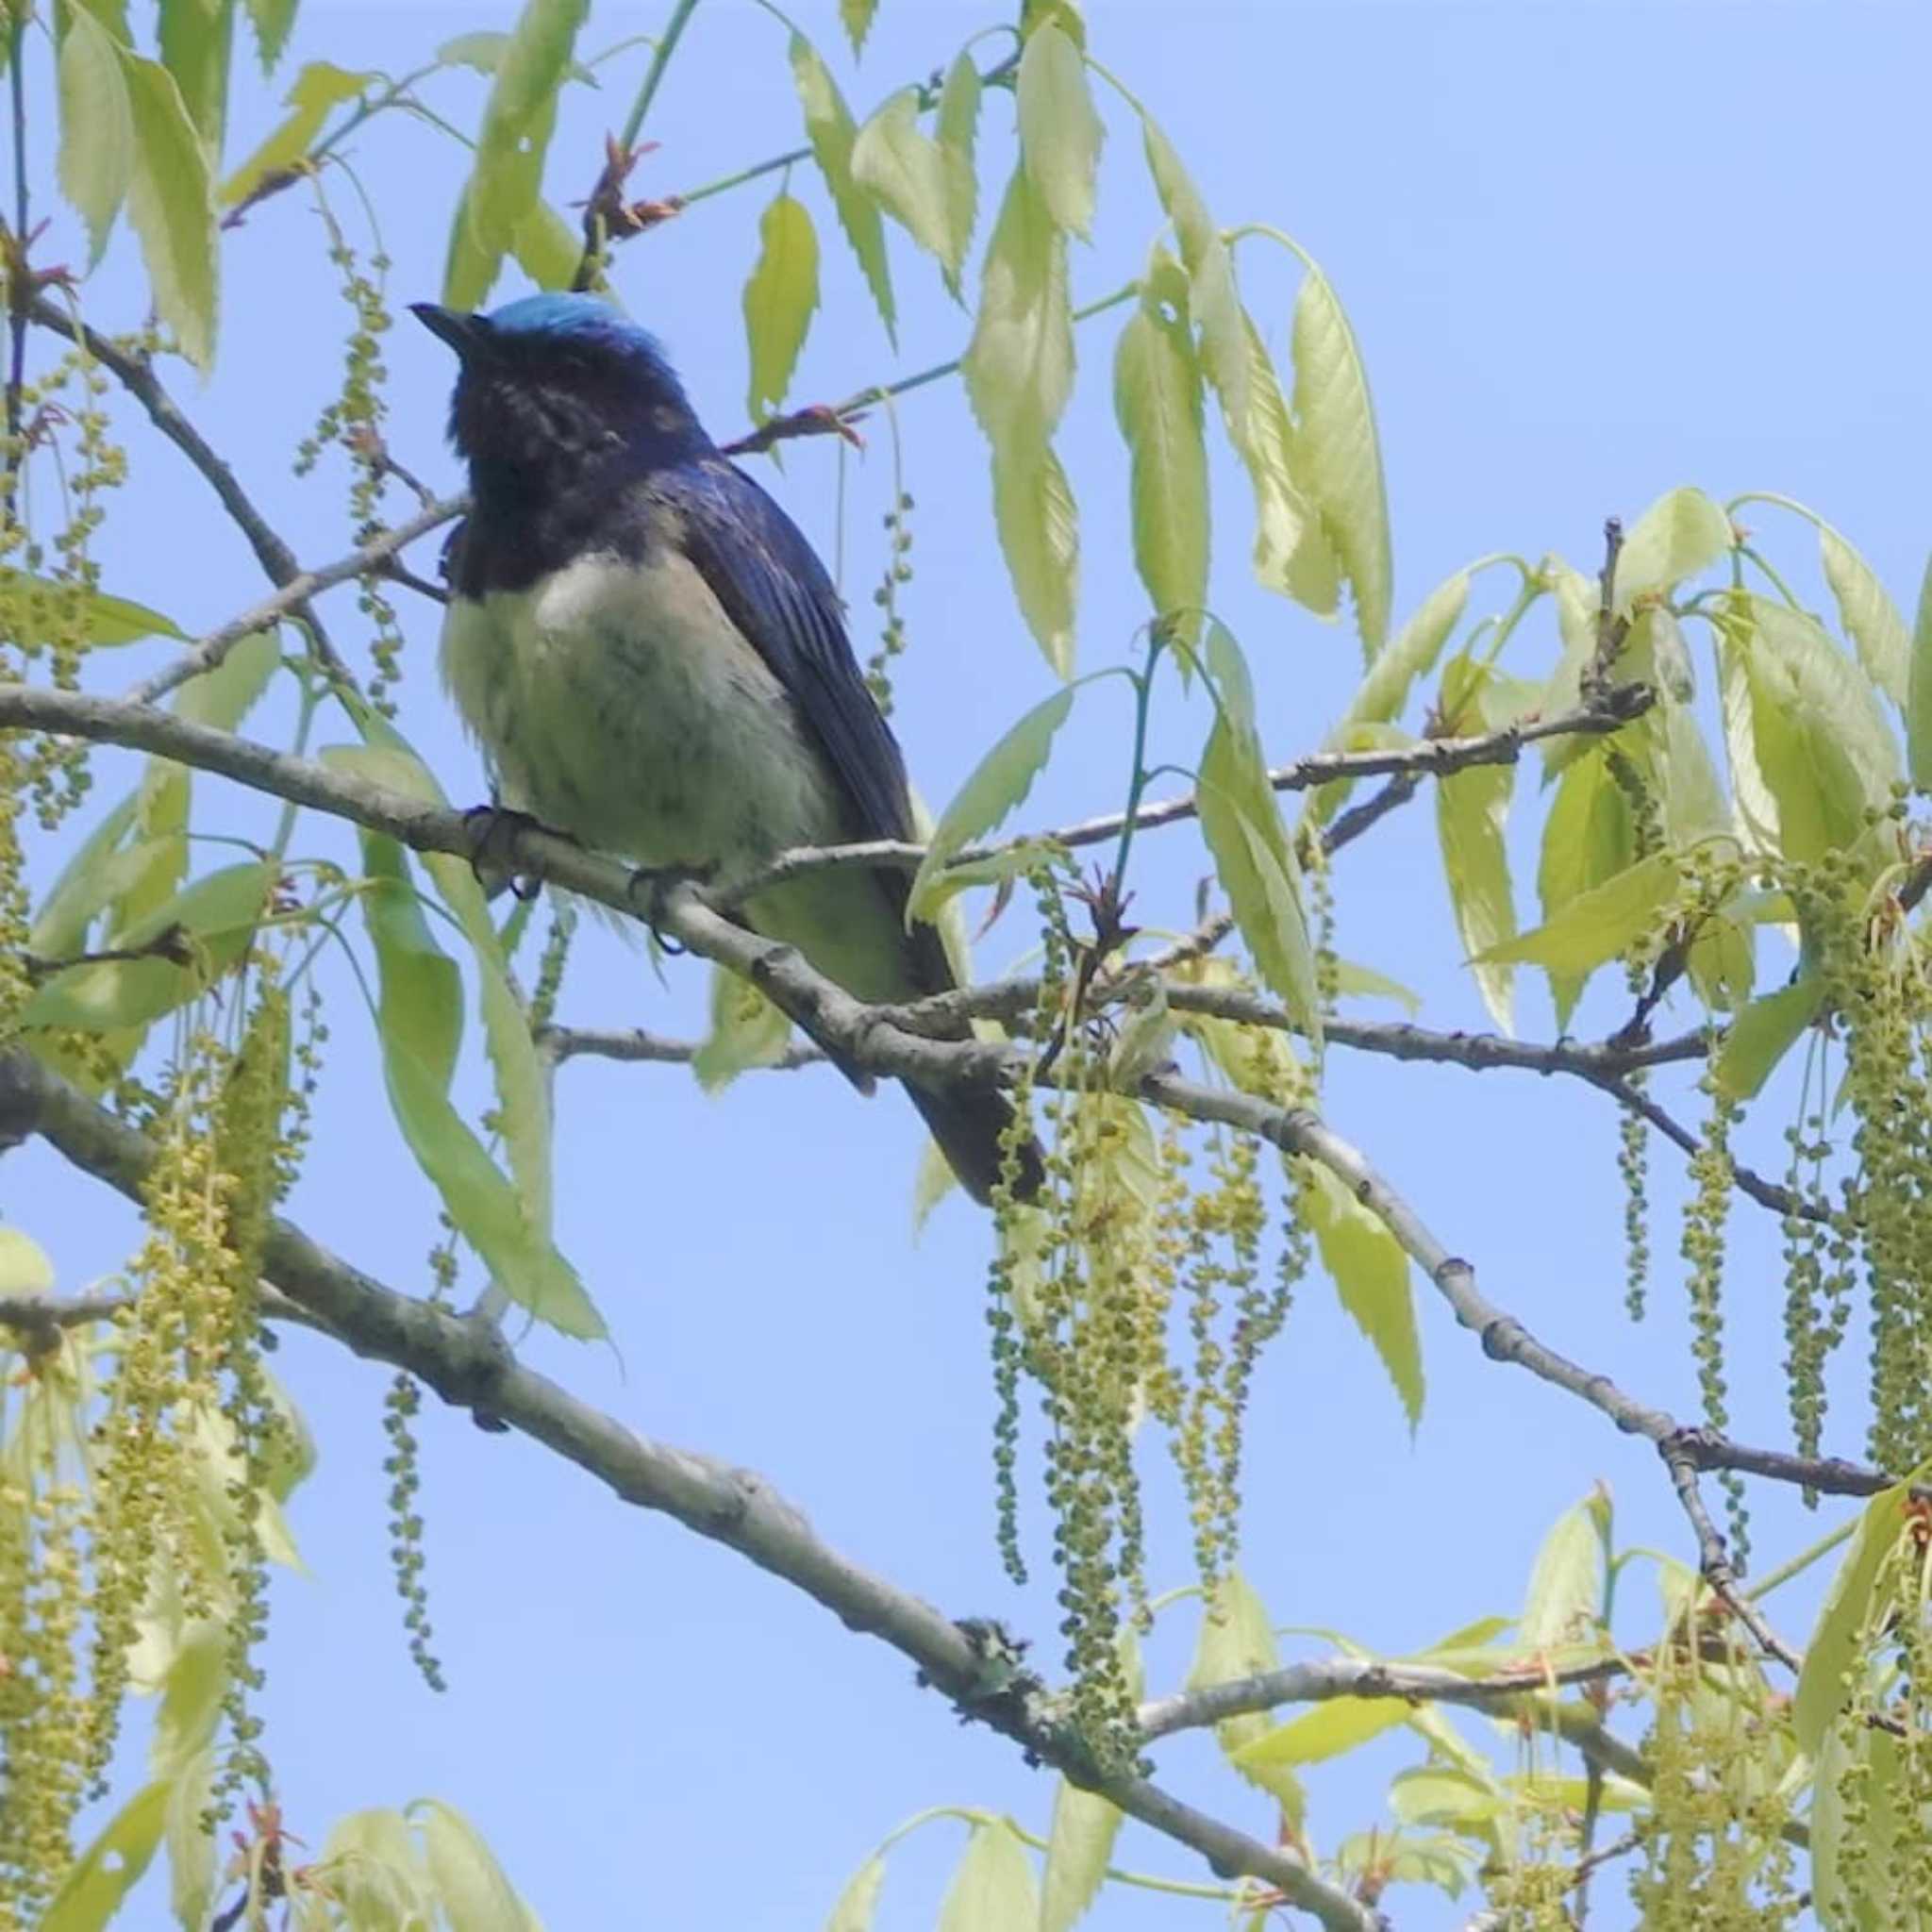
759,567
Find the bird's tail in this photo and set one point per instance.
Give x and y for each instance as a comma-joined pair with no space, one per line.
968,1127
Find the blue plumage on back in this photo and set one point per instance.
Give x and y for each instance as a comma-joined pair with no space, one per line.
655,660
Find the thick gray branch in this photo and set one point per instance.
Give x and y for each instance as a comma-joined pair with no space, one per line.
468,1364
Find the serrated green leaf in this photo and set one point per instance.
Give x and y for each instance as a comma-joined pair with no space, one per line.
859,1903
273,21
1838,1638
1857,1829
1755,805
546,247
778,301
856,17
958,131
1237,1640
1371,1274
1018,368
992,1888
318,87
1578,600
1762,1034
197,39
1354,980
38,609
1566,1585
1337,456
1157,396
1588,839
747,1030
1870,617
1472,809
171,205
375,1874
998,783
1227,346
1039,537
483,52
1442,1794
468,268
506,176
1292,554
1597,925
1680,535
934,1181
469,1883
216,916
102,1875
828,127
190,1844
96,158
1085,1825
24,1268
1823,745
1059,132
1329,1730
904,169
1919,689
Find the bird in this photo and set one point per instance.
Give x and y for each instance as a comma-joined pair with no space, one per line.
655,661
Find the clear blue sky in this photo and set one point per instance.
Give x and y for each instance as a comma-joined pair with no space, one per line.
1591,253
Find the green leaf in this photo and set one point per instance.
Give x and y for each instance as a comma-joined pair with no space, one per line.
546,247
1472,808
856,17
474,1894
1681,534
190,1844
1597,925
318,87
171,204
904,169
992,1888
1228,347
1000,781
1870,617
1353,979
1337,456
1059,132
1019,366
1085,1825
507,176
24,1268
828,127
483,52
1039,536
747,1030
1919,689
1156,398
1370,1273
102,1875
1823,746
1859,1830
1566,1586
1588,839
934,1181
190,1701
1292,554
1329,1730
1240,821
216,917
1441,1794
859,1902
1237,1640
96,158
1755,804
375,1874
197,39
39,609
1837,1638
959,129
778,301
273,21
468,268
419,1024
1762,1034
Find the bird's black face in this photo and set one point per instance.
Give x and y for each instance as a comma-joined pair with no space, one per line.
556,386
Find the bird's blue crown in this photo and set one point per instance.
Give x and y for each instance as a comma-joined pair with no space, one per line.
585,320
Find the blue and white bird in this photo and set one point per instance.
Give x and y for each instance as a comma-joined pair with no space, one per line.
656,663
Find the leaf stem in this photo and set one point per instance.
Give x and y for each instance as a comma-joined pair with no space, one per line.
1143,704
724,182
1778,583
654,75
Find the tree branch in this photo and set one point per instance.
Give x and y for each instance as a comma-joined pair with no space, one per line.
469,1365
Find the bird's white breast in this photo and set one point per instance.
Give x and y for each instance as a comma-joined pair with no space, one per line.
620,704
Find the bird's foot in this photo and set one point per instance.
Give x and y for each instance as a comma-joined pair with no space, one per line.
648,887
493,831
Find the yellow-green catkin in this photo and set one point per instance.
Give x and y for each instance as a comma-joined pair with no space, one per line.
895,575
355,419
1702,1246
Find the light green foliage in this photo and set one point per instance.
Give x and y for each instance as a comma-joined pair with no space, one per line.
779,300
828,127
318,87
97,143
171,206
1681,535
1370,1273
906,171
1472,809
994,1886
1059,132
747,1031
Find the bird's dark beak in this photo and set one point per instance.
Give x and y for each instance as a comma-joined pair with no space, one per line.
465,333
